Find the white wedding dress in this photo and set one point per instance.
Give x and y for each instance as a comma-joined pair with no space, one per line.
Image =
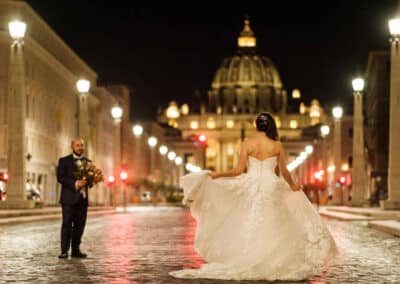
254,227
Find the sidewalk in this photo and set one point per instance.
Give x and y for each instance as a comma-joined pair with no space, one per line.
387,221
17,216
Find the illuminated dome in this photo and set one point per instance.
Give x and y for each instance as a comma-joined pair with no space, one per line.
246,82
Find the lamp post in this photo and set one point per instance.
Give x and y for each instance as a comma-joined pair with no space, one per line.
110,185
358,187
152,141
16,116
117,113
337,113
83,86
124,177
137,131
393,182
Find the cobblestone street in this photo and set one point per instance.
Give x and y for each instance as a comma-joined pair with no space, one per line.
143,245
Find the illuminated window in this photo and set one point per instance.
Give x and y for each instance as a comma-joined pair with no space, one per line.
293,124
211,123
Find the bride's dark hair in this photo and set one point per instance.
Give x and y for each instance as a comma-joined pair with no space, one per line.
266,123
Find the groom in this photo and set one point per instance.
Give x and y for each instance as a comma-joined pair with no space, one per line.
73,200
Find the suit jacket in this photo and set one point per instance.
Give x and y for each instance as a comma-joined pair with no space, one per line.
65,176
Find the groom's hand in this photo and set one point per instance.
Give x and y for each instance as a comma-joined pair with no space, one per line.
80,183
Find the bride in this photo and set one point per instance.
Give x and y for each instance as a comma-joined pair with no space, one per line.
255,225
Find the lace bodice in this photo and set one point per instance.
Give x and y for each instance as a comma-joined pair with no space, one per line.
259,167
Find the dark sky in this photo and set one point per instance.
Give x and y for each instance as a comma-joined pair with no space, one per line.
166,51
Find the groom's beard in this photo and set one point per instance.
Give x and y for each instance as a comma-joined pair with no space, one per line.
78,154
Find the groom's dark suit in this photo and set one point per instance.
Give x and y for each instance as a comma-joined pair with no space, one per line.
74,205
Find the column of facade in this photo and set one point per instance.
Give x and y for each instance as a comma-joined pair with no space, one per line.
16,118
359,185
393,201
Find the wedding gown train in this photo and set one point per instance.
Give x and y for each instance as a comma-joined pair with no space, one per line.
254,227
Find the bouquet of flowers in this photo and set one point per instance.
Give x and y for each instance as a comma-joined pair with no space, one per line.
86,170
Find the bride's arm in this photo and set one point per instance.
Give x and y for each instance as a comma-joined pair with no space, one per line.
283,169
240,167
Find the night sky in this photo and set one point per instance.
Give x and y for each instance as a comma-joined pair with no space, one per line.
166,51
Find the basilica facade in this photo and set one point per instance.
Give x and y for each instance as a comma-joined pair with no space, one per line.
245,84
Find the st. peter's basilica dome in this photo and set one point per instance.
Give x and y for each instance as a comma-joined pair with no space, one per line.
246,82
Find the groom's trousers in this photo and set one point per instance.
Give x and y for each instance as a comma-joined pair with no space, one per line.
73,225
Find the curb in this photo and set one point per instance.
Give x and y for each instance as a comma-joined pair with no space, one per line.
46,217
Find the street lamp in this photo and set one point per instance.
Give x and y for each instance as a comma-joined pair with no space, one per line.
110,184
137,130
124,177
178,161
309,149
337,113
116,113
325,130
152,141
163,150
83,86
17,31
393,179
358,173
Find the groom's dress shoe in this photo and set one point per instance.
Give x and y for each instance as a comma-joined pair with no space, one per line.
63,255
79,254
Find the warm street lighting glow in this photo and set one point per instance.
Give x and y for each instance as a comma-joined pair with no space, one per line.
172,110
345,167
331,169
302,108
309,149
171,156
337,112
111,179
293,124
163,150
137,130
17,29
296,94
394,26
185,109
202,138
194,124
230,123
123,176
211,123
178,161
358,84
83,86
152,141
325,130
116,112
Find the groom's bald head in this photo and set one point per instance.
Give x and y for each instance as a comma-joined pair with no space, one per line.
78,146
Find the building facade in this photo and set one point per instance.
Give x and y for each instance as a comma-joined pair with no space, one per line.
49,113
